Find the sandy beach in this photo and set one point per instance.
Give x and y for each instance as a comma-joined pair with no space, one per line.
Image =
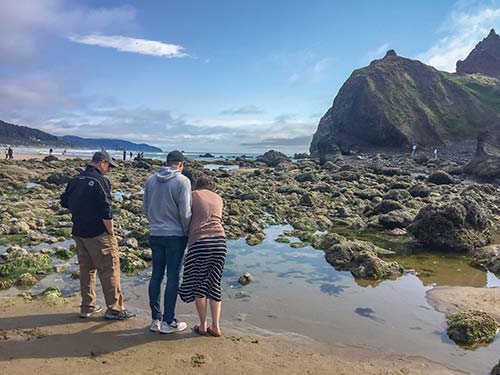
46,336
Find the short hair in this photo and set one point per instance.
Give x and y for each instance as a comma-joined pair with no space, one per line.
204,182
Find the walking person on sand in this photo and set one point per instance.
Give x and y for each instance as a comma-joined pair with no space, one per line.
167,206
88,197
205,257
6,153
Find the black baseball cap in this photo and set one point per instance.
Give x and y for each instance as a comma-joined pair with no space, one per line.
175,157
103,156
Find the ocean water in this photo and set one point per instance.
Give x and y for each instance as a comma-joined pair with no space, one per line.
117,154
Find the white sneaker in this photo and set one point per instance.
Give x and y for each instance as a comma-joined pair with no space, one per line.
175,326
155,325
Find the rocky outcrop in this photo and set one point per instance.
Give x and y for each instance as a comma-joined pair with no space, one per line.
487,257
397,102
360,258
459,226
472,327
272,158
484,58
485,163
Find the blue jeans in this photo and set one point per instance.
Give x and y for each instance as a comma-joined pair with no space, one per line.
168,252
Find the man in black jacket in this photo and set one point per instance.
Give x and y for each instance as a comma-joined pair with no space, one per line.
88,197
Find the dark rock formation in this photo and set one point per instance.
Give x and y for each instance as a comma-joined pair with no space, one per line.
488,257
58,179
495,370
273,158
460,226
441,178
484,58
396,102
472,327
49,159
485,163
420,191
396,219
360,258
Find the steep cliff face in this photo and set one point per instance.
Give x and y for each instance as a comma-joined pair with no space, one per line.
484,58
396,102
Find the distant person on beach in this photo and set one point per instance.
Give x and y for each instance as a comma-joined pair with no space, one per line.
131,154
435,153
64,152
413,150
88,197
10,152
205,257
50,151
6,153
167,206
124,155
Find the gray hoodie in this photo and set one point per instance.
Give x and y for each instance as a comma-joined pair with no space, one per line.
167,203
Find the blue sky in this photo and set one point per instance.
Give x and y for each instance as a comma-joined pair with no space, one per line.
227,76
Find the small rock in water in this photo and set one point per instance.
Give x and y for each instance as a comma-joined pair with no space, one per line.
472,327
495,370
75,275
26,280
245,279
61,267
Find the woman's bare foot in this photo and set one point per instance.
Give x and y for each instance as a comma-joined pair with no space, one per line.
214,331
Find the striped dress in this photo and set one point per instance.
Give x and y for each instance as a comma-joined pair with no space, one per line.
206,255
203,269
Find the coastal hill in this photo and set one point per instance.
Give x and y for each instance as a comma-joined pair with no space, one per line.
16,135
11,134
396,102
109,144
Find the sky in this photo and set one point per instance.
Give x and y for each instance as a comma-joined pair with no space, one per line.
211,76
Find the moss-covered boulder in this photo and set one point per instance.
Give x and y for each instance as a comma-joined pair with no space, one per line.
282,240
131,263
459,226
360,258
63,253
255,239
26,280
50,292
30,263
472,327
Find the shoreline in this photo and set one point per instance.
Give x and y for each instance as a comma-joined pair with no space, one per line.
53,340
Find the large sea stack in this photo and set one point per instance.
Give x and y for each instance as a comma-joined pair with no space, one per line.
397,102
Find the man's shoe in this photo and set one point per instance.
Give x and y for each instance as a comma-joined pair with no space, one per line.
88,314
119,315
173,327
155,325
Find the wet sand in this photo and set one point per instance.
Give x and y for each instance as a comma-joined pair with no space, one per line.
47,337
40,157
449,299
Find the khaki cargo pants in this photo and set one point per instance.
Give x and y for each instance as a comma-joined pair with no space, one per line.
99,255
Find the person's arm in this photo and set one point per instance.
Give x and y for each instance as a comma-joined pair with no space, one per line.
64,199
184,205
145,199
109,225
104,199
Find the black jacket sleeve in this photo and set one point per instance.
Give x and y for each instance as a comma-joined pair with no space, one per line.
105,200
64,199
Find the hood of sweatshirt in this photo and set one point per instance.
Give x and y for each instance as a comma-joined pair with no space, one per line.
165,174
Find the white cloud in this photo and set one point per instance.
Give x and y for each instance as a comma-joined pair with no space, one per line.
26,25
243,110
464,28
134,45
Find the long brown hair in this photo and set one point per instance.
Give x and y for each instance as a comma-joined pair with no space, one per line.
204,182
